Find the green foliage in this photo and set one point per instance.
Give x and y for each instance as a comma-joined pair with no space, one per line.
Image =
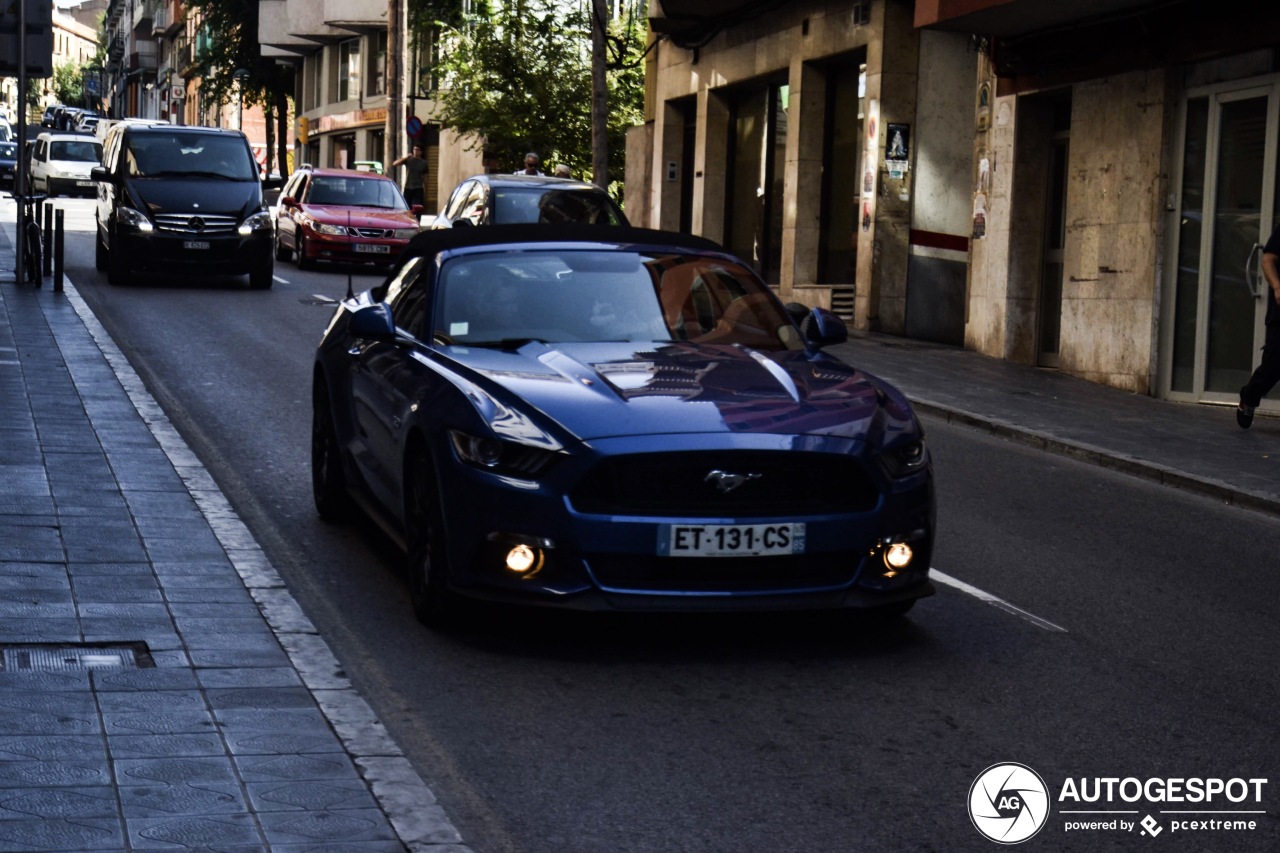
231,45
68,84
520,80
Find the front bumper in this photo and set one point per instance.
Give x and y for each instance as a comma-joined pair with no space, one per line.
71,186
345,250
612,562
229,254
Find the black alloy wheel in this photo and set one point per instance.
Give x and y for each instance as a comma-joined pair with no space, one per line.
434,604
117,266
99,252
328,483
261,277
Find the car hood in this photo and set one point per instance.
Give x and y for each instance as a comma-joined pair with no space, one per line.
79,168
603,390
361,217
197,195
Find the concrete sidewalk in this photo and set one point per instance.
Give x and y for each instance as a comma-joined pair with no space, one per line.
1187,445
159,687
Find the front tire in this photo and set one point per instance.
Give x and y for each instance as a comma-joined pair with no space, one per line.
328,482
117,266
304,263
434,604
99,252
261,277
283,252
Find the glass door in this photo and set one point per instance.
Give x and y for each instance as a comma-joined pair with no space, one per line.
1226,207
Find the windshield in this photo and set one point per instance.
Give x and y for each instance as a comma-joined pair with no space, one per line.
355,192
77,150
507,298
520,205
196,155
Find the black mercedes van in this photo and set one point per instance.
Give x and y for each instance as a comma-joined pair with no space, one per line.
178,199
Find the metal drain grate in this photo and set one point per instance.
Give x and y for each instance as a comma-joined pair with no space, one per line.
62,658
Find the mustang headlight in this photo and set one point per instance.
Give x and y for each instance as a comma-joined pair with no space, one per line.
134,219
905,460
500,457
260,221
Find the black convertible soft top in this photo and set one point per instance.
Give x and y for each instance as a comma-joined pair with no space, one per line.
429,243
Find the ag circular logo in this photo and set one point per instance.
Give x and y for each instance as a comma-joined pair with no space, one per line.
1008,803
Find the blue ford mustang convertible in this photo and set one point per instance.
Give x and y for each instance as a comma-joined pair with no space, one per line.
616,419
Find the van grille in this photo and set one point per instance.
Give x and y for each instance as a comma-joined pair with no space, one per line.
195,223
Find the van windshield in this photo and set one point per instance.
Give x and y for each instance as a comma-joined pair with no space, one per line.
195,155
81,151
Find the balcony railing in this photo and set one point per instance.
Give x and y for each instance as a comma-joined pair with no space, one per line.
142,61
160,21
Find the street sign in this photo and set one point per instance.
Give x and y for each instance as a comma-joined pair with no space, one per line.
413,127
39,38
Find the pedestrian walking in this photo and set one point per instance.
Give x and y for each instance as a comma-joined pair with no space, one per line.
531,161
415,176
1268,372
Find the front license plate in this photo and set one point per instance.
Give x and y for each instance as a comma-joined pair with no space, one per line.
373,248
84,183
730,540
195,244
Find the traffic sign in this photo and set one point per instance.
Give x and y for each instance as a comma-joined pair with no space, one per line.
413,127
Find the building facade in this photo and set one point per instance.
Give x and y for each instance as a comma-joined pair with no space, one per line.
1076,186
339,51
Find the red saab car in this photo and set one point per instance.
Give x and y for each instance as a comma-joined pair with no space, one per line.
344,216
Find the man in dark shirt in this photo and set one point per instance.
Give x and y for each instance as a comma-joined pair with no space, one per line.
1268,372
415,176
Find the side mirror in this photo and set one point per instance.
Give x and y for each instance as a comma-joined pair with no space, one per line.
416,210
823,328
100,173
463,222
373,322
288,201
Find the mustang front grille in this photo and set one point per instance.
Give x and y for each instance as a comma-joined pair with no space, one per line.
725,483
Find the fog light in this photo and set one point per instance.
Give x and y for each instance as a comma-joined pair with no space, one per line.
898,555
521,559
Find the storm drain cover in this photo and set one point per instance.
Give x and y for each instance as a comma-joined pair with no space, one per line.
74,658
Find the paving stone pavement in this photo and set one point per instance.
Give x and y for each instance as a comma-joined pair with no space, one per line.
159,687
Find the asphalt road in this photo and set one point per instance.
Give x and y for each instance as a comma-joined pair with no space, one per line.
1144,646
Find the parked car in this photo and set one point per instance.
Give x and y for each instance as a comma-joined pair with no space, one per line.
343,215
515,199
181,199
8,164
61,163
615,419
87,122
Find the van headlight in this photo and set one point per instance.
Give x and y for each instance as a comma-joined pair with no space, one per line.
130,218
260,221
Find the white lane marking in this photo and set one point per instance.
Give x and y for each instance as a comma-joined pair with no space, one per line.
994,601
279,279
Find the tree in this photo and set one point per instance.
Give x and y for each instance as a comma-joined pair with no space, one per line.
68,84
232,47
519,79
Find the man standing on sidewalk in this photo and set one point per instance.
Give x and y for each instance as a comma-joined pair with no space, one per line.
1268,372
415,176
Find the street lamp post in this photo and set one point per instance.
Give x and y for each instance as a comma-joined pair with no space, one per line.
240,76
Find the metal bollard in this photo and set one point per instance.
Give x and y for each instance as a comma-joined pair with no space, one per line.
47,236
57,251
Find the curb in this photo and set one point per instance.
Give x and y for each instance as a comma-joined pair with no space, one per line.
1093,455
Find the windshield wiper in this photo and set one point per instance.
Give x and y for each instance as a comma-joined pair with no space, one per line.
173,173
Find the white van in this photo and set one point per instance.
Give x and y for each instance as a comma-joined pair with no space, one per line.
61,163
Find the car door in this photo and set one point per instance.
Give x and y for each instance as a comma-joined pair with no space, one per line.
387,378
286,223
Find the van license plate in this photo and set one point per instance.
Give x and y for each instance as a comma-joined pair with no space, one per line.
84,183
195,244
